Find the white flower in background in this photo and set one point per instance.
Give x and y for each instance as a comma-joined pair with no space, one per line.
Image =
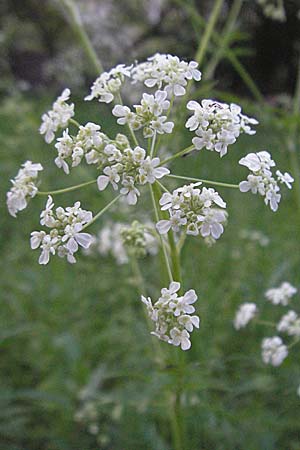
273,9
255,236
24,187
273,351
261,179
166,72
148,115
195,210
217,125
245,313
57,117
66,232
281,295
120,240
290,324
171,314
109,84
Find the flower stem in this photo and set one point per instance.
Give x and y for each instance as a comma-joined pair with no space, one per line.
83,38
153,145
74,122
163,246
265,322
185,151
102,211
295,342
68,189
214,183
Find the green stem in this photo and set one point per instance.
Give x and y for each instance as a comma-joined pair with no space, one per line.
68,189
79,31
163,245
185,151
265,322
162,187
228,29
102,211
153,145
214,183
295,342
74,122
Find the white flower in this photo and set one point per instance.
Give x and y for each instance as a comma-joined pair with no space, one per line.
65,234
245,313
290,324
273,351
58,117
195,210
166,72
129,190
261,181
281,295
23,188
108,84
150,170
217,125
111,176
171,315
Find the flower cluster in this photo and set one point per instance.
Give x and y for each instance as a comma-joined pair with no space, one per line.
66,226
197,210
273,9
217,125
166,72
261,179
172,315
89,143
147,115
245,313
24,187
121,240
282,294
58,117
290,324
129,168
274,351
109,84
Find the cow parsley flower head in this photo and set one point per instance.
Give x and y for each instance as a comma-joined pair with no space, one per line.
171,314
290,324
217,125
57,117
245,313
109,84
24,187
273,351
281,295
197,211
148,115
66,232
166,72
261,179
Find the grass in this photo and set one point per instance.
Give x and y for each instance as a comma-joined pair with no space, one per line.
64,327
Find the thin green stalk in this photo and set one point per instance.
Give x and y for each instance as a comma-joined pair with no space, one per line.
185,151
153,145
295,342
79,31
74,122
163,246
102,211
68,189
214,183
162,187
228,29
265,322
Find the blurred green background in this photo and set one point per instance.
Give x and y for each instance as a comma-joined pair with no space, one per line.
75,349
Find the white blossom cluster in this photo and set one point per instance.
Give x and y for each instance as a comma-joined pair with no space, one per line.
66,232
121,239
166,72
148,115
290,324
245,313
282,294
217,125
172,315
57,117
273,9
109,84
274,351
198,211
261,179
89,143
129,167
24,187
